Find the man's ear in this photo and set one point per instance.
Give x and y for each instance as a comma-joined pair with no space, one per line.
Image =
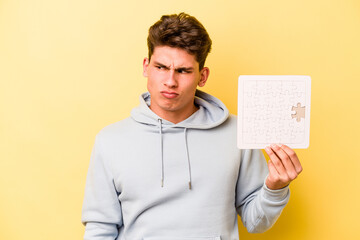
145,66
204,74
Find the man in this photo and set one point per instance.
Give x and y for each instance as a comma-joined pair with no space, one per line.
172,170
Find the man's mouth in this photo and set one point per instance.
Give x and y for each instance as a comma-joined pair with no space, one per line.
169,94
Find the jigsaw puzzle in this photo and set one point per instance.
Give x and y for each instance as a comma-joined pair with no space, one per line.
273,109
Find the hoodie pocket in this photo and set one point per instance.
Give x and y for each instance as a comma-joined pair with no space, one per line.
182,238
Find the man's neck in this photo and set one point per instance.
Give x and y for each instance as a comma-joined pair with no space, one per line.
174,116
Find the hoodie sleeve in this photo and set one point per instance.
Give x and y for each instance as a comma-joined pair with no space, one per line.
101,212
258,206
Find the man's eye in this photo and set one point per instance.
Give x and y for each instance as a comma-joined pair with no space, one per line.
183,71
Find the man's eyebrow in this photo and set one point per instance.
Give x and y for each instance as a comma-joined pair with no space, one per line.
177,69
160,64
184,69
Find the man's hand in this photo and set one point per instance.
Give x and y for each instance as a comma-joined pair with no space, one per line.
284,166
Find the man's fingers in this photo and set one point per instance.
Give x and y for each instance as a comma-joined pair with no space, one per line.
272,179
293,157
284,166
285,160
275,161
272,169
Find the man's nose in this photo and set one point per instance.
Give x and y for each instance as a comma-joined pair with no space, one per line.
171,80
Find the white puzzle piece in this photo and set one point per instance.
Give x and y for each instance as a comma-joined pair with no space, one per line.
273,109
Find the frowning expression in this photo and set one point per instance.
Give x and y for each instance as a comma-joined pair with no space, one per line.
173,76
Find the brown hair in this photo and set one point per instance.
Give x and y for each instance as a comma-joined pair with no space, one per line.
180,31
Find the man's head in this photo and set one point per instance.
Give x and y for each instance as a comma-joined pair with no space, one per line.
178,46
180,31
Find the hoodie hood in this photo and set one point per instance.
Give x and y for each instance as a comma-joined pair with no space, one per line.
212,112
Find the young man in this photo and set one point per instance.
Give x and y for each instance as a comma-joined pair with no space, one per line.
172,170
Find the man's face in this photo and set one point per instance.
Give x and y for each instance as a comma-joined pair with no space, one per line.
173,75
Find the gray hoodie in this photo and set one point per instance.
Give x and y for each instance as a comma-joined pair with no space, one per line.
150,179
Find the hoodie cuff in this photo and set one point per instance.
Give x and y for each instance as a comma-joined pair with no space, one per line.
275,195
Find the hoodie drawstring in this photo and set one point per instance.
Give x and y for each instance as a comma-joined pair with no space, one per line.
162,155
188,158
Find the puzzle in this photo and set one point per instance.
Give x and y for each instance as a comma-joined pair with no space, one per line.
273,109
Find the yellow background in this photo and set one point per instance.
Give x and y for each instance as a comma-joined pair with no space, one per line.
68,68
